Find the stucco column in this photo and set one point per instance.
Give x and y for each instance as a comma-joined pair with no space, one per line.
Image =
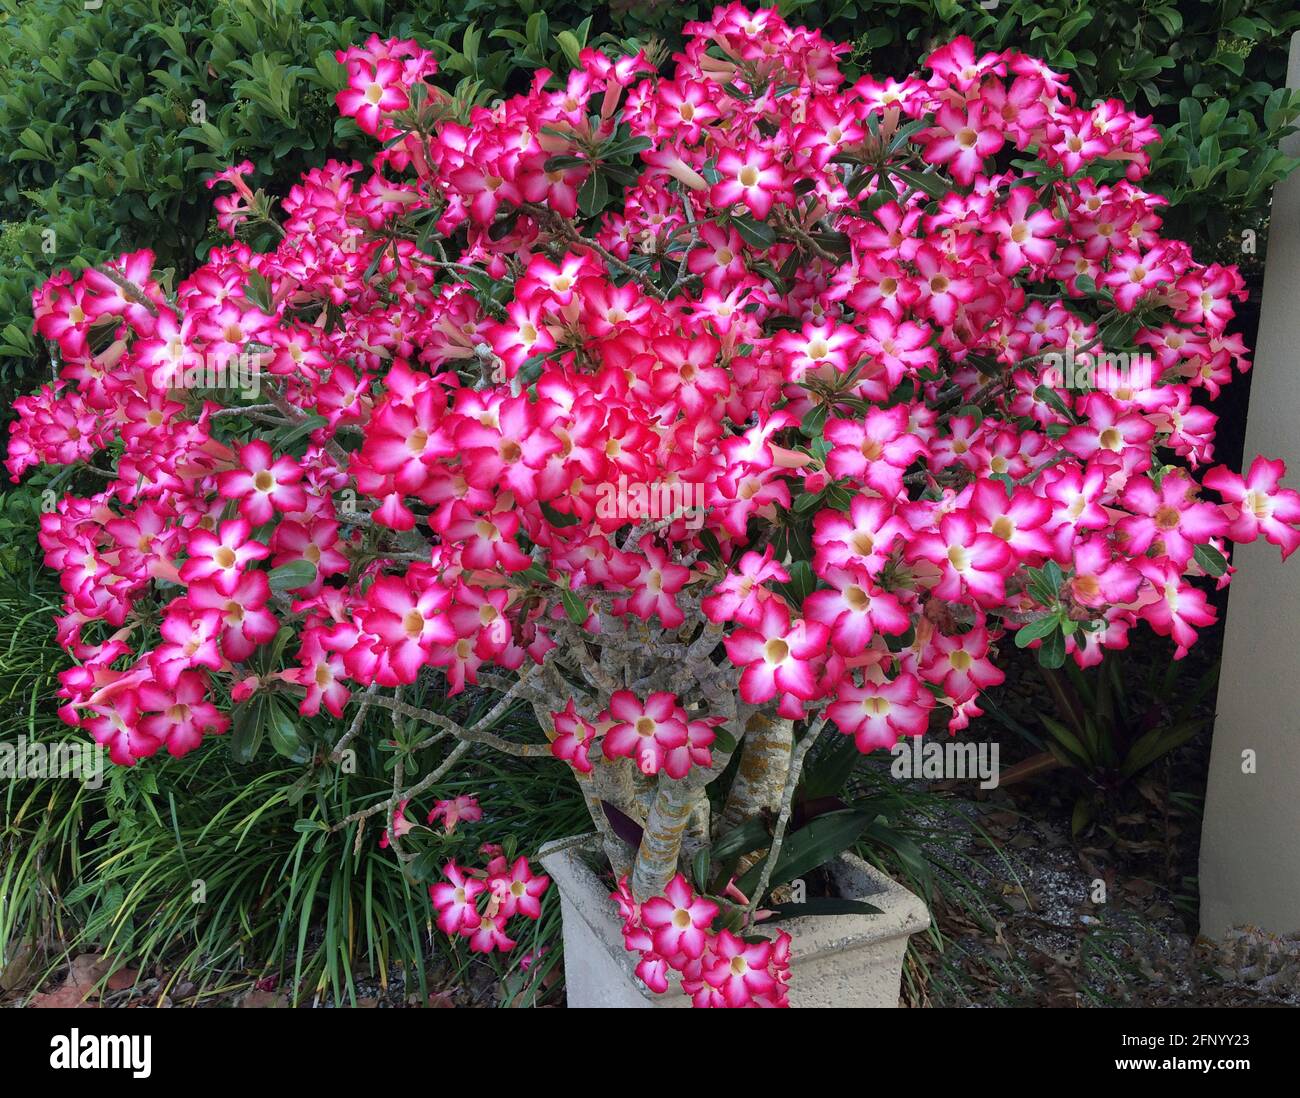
1250,841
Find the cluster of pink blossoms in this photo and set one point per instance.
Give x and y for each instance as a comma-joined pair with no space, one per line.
673,932
450,812
656,734
824,311
477,903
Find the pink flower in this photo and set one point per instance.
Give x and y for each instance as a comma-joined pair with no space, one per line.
874,450
222,557
262,486
778,655
750,175
1027,238
518,891
373,90
854,609
402,824
573,737
961,664
881,711
740,971
455,901
654,586
679,921
740,595
961,139
451,812
1174,608
645,731
969,562
695,751
1168,519
1257,505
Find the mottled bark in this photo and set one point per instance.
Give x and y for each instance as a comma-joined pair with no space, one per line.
760,778
697,827
661,843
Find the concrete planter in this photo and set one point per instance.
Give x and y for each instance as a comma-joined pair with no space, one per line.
837,960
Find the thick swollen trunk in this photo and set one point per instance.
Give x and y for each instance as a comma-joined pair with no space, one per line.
661,842
760,778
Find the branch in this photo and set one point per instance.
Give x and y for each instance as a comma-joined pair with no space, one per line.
563,228
400,795
337,754
296,415
477,734
129,288
787,804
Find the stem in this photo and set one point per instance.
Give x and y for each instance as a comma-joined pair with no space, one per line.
400,795
761,776
477,734
337,754
566,230
787,805
130,289
661,842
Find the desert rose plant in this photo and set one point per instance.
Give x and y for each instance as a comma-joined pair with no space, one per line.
701,406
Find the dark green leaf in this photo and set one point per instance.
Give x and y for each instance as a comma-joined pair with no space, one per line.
820,842
820,906
291,576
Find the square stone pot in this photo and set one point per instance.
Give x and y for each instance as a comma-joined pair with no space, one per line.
836,960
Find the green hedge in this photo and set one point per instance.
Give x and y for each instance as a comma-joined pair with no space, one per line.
111,117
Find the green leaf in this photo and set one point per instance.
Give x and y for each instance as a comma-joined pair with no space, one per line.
309,827
257,292
749,836
291,576
754,232
1036,630
926,182
1081,815
814,420
1212,562
283,729
560,163
724,740
570,45
574,607
1158,743
1051,654
246,726
700,869
828,770
593,196
299,431
820,906
1053,398
1067,739
820,842
802,582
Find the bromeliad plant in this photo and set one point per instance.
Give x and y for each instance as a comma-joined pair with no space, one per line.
699,411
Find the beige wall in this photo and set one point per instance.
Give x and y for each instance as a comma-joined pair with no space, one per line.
1250,842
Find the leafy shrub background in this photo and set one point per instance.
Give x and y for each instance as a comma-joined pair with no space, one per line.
102,150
